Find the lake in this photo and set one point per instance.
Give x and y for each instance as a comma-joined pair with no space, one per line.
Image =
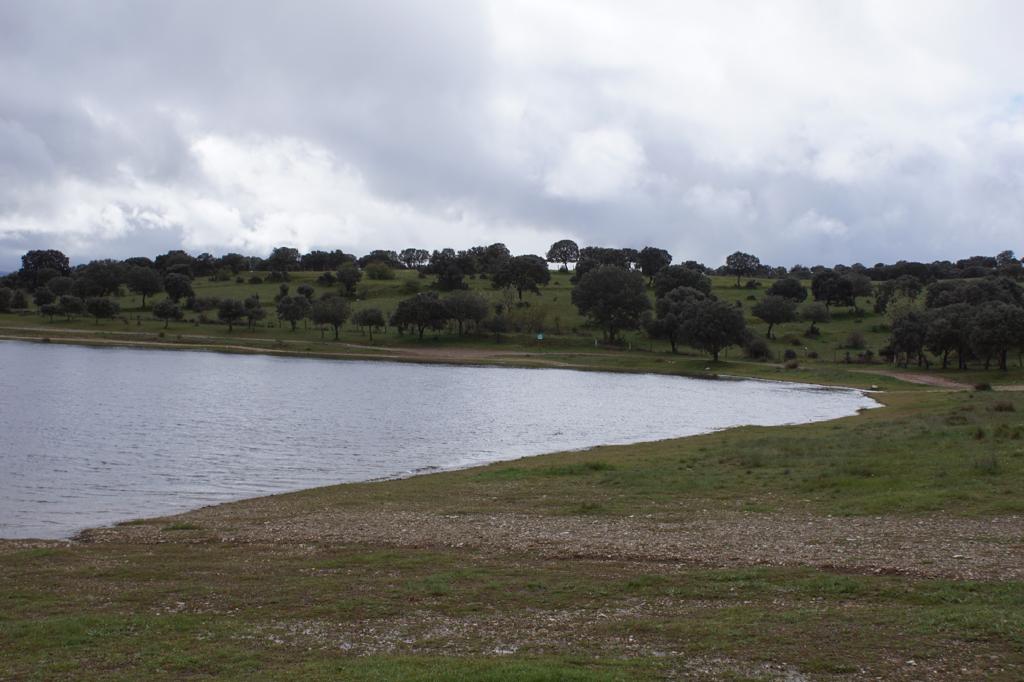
94,436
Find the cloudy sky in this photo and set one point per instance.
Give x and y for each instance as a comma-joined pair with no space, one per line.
810,132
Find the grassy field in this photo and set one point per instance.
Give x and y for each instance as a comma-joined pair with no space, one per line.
568,341
885,545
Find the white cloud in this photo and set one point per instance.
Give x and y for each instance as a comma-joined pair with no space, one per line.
721,204
597,165
700,128
254,194
814,224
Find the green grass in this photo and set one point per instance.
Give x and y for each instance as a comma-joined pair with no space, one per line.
227,611
568,340
920,454
192,606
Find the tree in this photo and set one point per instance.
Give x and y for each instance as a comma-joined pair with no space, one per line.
774,310
996,328
294,309
671,310
831,288
947,331
60,285
909,331
414,258
422,311
713,326
102,307
34,262
383,256
178,287
467,306
523,273
349,275
6,295
43,296
18,301
167,310
564,251
144,281
307,291
675,276
283,258
493,257
331,310
446,265
611,297
860,285
652,261
742,265
230,310
99,278
790,288
815,313
254,311
370,318
71,305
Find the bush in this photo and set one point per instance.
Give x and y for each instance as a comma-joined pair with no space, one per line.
757,349
327,279
790,354
752,284
792,364
255,279
239,280
279,276
855,340
1003,406
411,286
813,355
751,297
984,386
379,271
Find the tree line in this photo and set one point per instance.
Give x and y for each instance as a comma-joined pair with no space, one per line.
972,309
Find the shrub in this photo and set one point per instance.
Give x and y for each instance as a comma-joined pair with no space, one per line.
239,280
411,286
855,340
984,386
790,354
792,364
279,276
255,279
813,355
379,271
327,279
1003,406
752,284
757,349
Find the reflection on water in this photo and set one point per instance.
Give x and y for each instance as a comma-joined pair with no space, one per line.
94,436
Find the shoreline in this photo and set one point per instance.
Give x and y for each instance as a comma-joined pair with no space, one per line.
74,536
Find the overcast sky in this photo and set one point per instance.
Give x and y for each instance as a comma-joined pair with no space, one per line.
804,132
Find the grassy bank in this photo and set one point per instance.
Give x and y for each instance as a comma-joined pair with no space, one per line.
882,545
828,358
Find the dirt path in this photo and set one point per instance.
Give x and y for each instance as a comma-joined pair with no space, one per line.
919,378
957,548
354,350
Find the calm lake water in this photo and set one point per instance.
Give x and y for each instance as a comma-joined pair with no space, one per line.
95,436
